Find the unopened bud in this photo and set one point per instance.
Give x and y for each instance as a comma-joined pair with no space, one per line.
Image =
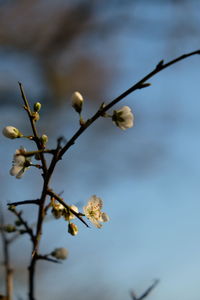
35,116
18,223
11,132
44,139
69,215
77,101
37,106
11,207
72,229
60,253
57,213
9,228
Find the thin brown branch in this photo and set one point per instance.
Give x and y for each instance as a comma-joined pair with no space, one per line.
46,257
28,229
140,84
36,136
35,201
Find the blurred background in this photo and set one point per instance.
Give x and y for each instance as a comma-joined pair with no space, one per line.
148,176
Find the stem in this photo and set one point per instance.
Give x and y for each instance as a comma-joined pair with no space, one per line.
34,129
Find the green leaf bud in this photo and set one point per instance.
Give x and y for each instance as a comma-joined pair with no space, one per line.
37,106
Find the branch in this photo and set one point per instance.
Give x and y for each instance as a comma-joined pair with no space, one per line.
28,229
46,257
36,136
146,293
35,201
8,269
140,84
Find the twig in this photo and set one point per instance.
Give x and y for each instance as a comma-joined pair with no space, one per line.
160,66
35,201
28,229
36,136
46,257
146,293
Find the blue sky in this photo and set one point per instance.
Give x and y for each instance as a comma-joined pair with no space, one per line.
153,203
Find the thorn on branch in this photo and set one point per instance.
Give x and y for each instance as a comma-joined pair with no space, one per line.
144,85
160,64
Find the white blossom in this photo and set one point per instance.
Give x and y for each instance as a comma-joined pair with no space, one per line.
20,163
93,211
123,118
77,101
60,253
11,132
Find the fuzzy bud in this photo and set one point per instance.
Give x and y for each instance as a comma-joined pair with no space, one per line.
11,132
60,253
44,139
77,101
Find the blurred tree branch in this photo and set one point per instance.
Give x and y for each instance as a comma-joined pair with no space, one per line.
146,293
7,265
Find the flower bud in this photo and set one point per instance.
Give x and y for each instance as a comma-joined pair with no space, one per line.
68,214
35,116
18,223
77,101
37,106
44,139
60,253
9,228
72,229
11,132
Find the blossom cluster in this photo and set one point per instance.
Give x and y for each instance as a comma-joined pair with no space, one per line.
92,211
22,160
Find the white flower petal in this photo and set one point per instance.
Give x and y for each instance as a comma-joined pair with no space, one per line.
20,174
123,118
11,132
15,170
93,211
104,217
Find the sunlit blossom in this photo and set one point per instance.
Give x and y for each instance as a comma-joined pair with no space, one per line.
123,118
20,163
93,211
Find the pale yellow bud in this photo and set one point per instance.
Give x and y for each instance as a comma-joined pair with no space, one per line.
72,229
11,132
77,101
